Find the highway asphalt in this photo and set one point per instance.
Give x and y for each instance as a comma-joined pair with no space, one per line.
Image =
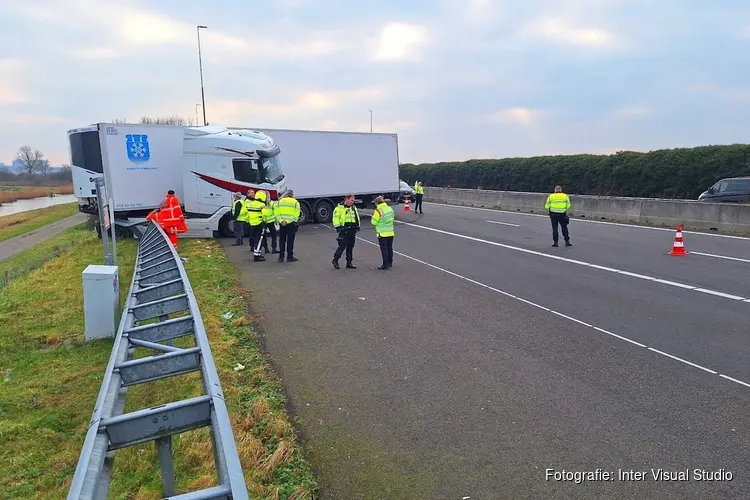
479,362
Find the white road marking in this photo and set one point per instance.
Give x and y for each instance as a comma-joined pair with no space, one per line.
682,360
503,223
734,380
577,321
721,256
637,226
582,263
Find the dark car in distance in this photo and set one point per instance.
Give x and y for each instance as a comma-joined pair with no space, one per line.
730,190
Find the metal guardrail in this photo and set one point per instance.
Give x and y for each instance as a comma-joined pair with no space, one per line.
159,288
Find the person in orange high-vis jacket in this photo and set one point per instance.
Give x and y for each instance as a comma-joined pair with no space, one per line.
171,218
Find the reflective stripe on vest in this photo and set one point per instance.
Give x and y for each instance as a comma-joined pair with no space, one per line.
287,210
384,221
343,215
558,203
254,212
242,217
268,215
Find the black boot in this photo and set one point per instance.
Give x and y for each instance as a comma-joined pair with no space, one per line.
274,250
292,259
349,265
567,244
384,267
335,263
281,258
554,244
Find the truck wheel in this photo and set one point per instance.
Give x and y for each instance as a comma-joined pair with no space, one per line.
323,212
226,226
304,216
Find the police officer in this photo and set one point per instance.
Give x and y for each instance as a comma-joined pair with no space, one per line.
383,220
558,205
255,216
287,212
346,223
239,213
269,225
419,194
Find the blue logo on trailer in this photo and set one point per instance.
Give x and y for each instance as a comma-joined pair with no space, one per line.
137,146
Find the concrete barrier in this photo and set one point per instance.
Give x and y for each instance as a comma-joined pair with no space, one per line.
725,217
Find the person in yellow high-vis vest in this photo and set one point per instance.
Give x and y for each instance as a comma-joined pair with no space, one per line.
558,205
287,212
419,194
239,214
269,225
255,209
383,220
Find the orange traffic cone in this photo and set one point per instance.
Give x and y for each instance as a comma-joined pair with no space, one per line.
679,247
406,204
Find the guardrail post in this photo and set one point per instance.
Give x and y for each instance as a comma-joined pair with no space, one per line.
164,448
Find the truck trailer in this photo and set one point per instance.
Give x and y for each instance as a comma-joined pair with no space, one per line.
203,165
322,167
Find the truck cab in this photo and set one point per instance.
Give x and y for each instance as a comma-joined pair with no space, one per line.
203,165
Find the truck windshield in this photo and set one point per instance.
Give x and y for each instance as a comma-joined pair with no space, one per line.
272,169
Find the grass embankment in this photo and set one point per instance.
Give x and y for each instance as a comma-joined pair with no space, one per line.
10,194
52,379
17,224
35,257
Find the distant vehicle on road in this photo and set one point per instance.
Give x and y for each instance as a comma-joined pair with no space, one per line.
405,189
730,190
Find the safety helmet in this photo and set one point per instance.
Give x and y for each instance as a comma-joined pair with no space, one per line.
261,196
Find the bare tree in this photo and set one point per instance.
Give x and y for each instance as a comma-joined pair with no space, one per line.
43,167
167,120
31,159
160,120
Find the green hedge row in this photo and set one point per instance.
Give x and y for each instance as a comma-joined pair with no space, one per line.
669,173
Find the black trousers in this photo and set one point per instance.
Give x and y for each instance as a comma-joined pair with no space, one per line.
346,239
239,230
418,204
562,220
286,239
272,233
256,234
386,249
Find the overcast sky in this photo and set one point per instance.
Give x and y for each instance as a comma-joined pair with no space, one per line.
456,79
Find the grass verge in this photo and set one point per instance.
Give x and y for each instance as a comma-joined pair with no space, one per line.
35,257
9,194
18,224
52,378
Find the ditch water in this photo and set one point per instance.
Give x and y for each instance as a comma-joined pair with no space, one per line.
19,206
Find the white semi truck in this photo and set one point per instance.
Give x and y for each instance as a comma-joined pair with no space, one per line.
206,165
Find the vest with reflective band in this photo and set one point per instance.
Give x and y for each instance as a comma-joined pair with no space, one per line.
242,217
254,212
344,216
382,219
418,189
557,203
171,214
287,210
268,215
